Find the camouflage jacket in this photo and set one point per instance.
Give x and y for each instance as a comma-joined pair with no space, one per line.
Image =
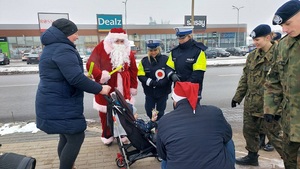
252,81
283,86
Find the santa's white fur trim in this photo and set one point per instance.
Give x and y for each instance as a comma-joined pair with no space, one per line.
117,35
104,77
109,40
99,107
107,140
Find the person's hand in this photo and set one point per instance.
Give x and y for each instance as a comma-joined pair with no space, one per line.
133,91
154,115
269,118
105,90
233,103
175,77
104,77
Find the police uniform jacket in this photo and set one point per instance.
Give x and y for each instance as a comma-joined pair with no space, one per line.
147,69
251,84
283,87
188,61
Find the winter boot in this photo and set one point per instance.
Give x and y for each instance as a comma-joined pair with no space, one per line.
250,159
262,138
269,147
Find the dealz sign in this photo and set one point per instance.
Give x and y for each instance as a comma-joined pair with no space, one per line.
199,22
106,22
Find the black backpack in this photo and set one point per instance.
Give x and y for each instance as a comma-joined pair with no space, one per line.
16,161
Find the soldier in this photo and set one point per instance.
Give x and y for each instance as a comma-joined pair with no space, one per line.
251,88
187,61
282,89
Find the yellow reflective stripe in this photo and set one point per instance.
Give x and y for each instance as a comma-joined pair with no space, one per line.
170,62
141,71
200,63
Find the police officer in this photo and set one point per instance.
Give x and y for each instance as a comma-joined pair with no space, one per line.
251,88
152,75
187,61
282,85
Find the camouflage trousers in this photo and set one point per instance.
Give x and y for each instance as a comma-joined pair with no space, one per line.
291,151
252,128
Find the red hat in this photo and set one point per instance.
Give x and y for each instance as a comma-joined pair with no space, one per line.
186,90
117,33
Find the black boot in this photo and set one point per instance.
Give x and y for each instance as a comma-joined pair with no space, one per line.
250,159
262,138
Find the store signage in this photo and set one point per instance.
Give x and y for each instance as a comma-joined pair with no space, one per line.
46,19
199,22
106,22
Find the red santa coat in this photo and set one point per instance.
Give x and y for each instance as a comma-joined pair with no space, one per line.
128,75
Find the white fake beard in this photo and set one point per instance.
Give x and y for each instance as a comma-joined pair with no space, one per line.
118,55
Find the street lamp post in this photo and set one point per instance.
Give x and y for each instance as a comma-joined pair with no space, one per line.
125,3
238,24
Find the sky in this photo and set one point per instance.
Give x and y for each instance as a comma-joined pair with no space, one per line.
253,13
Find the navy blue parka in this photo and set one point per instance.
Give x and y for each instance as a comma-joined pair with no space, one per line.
194,141
59,97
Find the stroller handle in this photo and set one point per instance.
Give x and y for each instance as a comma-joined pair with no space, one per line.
108,98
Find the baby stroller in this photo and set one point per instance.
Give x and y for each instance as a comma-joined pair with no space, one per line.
140,145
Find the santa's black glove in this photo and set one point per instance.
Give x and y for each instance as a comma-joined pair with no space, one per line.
175,77
233,103
268,118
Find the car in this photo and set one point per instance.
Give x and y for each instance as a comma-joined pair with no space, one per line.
4,60
220,52
24,56
33,58
236,51
210,53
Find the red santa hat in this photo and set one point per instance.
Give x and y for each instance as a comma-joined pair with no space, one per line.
113,35
186,90
117,33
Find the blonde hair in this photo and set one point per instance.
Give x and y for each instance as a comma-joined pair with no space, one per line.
148,52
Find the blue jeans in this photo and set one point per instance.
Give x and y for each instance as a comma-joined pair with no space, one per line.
229,146
159,103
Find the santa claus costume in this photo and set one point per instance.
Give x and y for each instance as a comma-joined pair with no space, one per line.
108,56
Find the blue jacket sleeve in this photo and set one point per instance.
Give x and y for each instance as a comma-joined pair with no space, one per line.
68,63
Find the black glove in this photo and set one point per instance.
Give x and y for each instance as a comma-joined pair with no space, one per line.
277,117
233,103
153,83
269,118
175,77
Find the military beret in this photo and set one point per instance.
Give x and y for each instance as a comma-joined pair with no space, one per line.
183,31
286,11
260,30
277,36
153,43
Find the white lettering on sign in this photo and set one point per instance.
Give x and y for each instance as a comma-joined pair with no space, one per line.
196,23
114,21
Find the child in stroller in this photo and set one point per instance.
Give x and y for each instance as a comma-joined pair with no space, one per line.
141,144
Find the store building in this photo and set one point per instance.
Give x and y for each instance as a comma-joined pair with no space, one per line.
26,37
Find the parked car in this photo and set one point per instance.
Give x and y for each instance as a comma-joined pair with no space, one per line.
220,52
210,53
236,51
24,56
4,60
33,58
